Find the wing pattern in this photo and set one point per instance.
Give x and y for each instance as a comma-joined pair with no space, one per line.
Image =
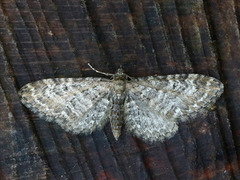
155,104
78,105
152,105
145,122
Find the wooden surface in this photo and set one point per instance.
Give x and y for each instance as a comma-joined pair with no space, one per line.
47,39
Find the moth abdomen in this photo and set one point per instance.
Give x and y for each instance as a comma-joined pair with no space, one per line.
116,116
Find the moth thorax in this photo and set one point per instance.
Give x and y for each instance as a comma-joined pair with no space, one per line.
119,88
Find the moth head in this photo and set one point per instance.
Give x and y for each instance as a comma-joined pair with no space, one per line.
120,75
120,71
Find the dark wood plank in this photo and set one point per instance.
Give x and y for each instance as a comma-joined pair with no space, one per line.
47,39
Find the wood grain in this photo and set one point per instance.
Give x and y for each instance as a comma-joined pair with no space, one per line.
46,39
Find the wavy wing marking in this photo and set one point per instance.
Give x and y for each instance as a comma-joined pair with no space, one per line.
144,122
78,105
177,97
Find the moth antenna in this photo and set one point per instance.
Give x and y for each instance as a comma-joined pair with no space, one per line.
100,72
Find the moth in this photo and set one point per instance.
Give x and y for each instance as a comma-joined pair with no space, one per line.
149,107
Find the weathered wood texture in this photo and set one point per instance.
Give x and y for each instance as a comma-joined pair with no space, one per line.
47,39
